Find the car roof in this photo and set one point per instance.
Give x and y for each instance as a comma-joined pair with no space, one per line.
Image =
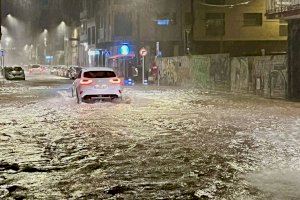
97,69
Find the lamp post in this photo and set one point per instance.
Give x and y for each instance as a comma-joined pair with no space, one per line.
45,33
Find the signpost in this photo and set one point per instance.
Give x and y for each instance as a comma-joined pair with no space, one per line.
157,55
124,50
143,53
2,54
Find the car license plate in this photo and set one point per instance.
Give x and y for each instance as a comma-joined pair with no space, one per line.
101,86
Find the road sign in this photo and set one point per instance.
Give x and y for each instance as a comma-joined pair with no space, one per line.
143,52
2,52
124,50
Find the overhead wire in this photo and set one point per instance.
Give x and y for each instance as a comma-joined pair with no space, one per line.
226,5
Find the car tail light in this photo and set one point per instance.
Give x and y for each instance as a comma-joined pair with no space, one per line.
115,81
85,82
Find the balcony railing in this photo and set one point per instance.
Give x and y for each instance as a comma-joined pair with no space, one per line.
282,6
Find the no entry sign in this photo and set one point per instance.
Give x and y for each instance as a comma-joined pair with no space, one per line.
143,52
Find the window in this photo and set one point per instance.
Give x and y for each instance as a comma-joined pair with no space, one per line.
215,2
101,22
215,24
252,19
45,3
188,18
83,28
99,74
283,28
123,24
89,36
93,35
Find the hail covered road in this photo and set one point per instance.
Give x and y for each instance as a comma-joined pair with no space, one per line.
158,143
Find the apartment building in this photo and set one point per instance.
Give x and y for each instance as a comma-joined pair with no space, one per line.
226,26
107,25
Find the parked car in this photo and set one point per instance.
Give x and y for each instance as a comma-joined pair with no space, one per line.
37,69
54,70
14,73
97,83
73,72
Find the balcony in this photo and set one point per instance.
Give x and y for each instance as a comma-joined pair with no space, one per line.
283,9
83,15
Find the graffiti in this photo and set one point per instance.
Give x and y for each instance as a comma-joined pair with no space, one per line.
200,71
168,73
220,68
262,75
239,74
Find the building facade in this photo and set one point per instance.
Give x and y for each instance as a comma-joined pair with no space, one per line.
289,10
107,25
226,26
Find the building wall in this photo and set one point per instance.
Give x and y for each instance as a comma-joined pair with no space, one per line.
234,24
239,39
261,75
205,71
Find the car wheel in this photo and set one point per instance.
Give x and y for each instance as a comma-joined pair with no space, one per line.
72,92
117,100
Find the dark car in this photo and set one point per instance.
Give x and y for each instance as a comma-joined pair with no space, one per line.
14,73
73,72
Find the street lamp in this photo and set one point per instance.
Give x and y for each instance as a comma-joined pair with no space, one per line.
7,41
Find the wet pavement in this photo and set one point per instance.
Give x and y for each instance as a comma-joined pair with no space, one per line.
157,143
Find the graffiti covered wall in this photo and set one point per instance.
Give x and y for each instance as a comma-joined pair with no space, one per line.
261,75
206,71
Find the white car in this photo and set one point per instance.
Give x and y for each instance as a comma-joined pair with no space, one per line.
97,83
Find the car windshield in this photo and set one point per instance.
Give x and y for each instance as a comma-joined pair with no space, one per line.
35,66
99,74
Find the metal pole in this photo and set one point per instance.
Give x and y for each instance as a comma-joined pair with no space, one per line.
158,75
143,70
124,65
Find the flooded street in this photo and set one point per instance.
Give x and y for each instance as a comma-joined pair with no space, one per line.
157,143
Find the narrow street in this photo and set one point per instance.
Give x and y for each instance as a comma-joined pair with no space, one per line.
157,143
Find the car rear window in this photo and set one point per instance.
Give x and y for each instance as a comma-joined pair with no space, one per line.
18,69
35,66
99,74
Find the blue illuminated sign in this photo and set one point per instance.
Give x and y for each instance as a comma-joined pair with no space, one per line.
49,57
124,50
163,22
